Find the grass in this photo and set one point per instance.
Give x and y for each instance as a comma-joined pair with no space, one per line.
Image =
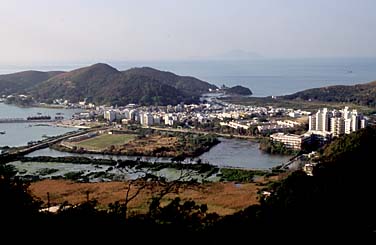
240,175
104,141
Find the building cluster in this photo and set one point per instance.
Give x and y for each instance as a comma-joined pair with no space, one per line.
234,116
337,122
82,137
153,115
262,127
292,141
323,125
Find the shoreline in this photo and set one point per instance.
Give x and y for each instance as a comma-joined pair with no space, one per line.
70,126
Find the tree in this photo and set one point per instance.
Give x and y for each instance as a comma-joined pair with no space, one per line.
17,204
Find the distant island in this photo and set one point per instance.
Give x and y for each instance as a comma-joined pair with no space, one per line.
362,95
103,84
238,90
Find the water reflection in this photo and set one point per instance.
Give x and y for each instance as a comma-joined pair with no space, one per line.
229,153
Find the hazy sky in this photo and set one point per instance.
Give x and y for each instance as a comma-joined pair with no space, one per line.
104,30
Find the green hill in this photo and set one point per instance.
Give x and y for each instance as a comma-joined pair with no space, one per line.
362,94
103,84
238,90
21,81
187,85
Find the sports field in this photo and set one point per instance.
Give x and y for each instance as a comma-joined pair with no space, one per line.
102,142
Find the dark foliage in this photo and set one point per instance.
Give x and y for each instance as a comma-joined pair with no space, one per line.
17,206
22,81
337,201
362,94
238,90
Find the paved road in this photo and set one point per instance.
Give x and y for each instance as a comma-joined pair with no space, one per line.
47,142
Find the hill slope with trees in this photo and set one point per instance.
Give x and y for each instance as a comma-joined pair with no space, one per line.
103,84
20,82
238,90
362,94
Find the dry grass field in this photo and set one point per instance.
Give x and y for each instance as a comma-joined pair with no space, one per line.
222,198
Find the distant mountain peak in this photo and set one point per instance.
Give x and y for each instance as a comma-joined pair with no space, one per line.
101,66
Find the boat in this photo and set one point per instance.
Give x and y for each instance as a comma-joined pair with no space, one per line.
2,132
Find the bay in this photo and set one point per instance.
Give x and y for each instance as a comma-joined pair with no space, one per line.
18,134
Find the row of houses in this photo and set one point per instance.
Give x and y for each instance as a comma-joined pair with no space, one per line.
82,137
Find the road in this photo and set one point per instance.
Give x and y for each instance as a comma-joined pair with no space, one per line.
48,142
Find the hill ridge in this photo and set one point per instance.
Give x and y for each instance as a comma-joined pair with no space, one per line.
103,84
362,94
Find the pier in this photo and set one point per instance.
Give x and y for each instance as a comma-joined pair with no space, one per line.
23,120
11,154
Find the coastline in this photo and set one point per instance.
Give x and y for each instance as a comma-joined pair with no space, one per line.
70,126
37,105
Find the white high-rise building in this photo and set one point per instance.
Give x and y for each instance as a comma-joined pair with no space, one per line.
110,115
346,113
318,117
337,126
168,119
354,122
322,120
363,123
325,120
134,115
142,118
156,119
148,119
126,114
336,122
347,126
312,123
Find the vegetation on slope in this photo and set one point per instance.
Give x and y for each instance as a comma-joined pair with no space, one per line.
20,82
238,90
362,94
103,84
188,85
